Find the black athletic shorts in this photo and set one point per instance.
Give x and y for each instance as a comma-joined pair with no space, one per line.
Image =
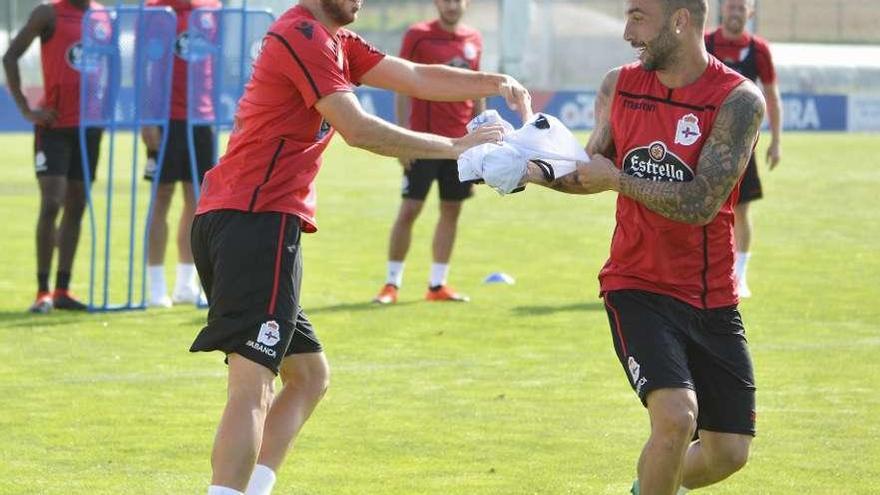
750,187
175,165
57,151
665,343
251,267
417,180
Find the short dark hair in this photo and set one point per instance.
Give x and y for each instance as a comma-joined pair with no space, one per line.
697,8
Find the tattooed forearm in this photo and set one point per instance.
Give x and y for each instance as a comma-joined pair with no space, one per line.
723,159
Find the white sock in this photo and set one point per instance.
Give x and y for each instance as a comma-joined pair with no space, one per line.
222,490
439,271
741,265
262,481
186,277
395,273
156,276
682,490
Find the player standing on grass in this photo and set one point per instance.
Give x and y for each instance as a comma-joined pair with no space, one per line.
259,199
445,40
57,153
680,128
749,55
176,168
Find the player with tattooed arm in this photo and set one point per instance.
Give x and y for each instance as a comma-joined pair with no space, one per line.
674,132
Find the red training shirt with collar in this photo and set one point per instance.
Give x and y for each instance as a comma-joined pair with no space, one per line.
60,57
275,149
658,135
749,55
428,43
183,9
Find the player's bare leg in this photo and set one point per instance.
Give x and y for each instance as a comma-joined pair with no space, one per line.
159,224
184,226
401,232
444,233
742,229
673,414
304,378
71,220
714,457
158,239
249,393
52,193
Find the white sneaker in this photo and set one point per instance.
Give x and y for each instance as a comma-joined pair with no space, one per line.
742,289
185,295
162,301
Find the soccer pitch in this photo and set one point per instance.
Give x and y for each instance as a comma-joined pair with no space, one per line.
518,392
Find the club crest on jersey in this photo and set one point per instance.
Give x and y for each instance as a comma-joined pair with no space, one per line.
469,50
687,132
306,28
181,45
74,56
656,162
459,63
323,130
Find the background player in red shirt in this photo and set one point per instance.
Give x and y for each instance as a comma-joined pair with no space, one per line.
749,55
679,128
57,156
258,200
177,169
445,40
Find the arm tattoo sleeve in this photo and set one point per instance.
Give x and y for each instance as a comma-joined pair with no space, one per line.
723,159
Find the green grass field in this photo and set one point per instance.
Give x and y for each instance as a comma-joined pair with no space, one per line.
518,392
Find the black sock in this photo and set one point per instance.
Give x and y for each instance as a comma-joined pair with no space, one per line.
62,280
43,282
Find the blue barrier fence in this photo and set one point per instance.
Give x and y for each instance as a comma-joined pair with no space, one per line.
802,112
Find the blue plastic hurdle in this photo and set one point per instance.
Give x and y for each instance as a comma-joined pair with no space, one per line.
125,83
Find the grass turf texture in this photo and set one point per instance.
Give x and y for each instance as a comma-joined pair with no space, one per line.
518,392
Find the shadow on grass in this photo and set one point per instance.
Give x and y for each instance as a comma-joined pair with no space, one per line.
561,308
18,319
358,306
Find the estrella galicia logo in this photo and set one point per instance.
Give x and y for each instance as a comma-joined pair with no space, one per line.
325,128
74,56
656,162
306,28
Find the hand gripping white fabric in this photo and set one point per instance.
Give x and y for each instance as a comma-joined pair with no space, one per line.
543,140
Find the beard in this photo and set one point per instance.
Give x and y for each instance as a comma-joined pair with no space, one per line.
450,19
337,13
660,52
734,25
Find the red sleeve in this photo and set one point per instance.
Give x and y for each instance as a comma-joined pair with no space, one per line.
766,70
362,57
309,63
408,44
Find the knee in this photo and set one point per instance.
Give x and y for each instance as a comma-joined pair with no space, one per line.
730,457
50,207
313,378
408,214
674,417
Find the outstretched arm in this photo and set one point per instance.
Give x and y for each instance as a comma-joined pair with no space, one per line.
360,129
39,23
722,161
437,82
774,115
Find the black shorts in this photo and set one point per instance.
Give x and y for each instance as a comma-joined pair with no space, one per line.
175,165
57,152
417,180
750,187
665,343
251,267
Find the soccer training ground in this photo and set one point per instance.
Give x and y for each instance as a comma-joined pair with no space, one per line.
518,392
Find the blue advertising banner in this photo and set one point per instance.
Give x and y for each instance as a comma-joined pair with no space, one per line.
802,112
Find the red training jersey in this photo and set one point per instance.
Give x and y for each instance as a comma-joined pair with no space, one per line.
428,43
658,135
183,8
60,57
749,55
275,149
